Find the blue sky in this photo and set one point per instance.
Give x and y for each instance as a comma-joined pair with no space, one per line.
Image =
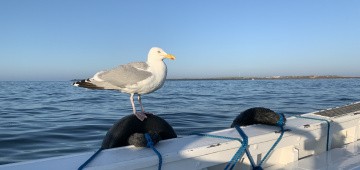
66,39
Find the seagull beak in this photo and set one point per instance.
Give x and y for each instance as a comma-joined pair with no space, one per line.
169,56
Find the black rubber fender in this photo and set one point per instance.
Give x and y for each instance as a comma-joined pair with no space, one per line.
257,115
129,130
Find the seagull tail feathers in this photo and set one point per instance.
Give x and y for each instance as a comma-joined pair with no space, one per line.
86,83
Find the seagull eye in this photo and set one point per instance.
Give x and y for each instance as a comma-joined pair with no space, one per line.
159,52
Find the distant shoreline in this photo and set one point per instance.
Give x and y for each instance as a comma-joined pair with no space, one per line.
269,78
261,78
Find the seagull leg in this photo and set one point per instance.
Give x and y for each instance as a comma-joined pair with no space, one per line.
140,115
142,107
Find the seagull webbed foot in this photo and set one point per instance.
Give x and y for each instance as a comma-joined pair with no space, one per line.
140,115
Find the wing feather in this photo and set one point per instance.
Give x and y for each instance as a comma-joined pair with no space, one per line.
125,75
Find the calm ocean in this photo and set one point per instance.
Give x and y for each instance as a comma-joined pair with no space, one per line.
47,119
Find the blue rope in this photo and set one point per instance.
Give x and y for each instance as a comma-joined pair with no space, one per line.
328,128
90,159
241,150
281,124
252,162
150,144
231,164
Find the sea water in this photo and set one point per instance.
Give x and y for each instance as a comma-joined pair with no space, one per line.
47,119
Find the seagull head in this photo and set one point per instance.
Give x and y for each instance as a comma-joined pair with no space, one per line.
157,53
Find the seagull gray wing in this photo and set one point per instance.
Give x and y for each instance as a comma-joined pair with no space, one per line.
125,75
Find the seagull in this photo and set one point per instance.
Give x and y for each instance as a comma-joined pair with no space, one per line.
133,78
